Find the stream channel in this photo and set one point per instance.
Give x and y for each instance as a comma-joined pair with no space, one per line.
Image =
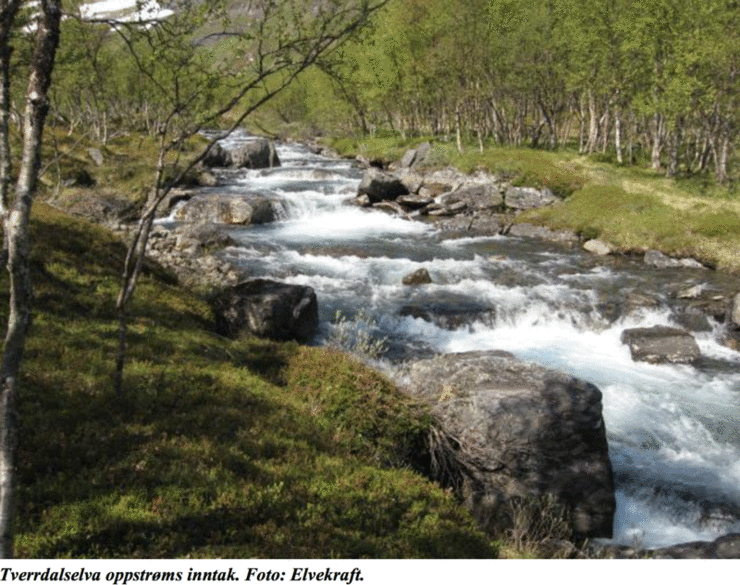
673,430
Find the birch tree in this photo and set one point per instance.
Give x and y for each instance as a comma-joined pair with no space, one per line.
204,64
15,216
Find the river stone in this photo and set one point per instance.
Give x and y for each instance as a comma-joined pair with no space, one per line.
266,308
420,276
660,260
519,430
380,186
661,344
598,247
258,153
226,209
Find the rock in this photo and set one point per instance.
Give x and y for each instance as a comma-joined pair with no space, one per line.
529,198
420,276
391,207
450,316
408,158
416,156
414,201
735,314
515,431
660,260
476,197
693,292
258,153
267,308
226,209
691,263
380,186
660,344
598,247
96,155
202,237
725,547
442,210
412,180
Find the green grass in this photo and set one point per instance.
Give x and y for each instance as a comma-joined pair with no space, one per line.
634,208
218,448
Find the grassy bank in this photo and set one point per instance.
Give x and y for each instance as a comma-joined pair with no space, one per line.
634,208
219,448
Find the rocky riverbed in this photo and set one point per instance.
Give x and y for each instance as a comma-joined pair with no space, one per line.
446,268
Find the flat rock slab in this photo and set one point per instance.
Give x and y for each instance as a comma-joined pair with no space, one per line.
661,345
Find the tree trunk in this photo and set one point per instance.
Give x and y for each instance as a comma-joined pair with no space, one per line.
8,10
657,141
17,234
618,135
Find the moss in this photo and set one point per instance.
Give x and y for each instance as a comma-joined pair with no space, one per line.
239,449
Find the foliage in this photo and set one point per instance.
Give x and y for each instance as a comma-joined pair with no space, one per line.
288,471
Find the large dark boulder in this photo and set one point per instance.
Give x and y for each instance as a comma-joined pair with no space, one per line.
661,345
380,186
258,153
266,308
513,431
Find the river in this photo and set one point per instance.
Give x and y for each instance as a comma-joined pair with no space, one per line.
673,431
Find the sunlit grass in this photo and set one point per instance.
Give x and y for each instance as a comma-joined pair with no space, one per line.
632,207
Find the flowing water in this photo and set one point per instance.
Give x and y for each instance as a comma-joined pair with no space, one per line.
673,431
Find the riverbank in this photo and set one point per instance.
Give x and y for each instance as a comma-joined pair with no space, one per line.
218,448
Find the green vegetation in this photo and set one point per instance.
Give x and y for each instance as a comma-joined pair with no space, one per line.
222,448
632,208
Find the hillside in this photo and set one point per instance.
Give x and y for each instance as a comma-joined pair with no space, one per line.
218,448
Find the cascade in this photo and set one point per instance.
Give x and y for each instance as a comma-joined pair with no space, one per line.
673,430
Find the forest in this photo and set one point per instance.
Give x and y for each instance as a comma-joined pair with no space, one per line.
644,81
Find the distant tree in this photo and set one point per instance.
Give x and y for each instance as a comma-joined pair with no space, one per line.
15,213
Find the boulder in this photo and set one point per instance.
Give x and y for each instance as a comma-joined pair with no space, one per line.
96,155
412,180
416,156
735,314
661,344
483,196
258,153
420,276
529,198
513,431
268,309
226,209
598,247
380,186
414,201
